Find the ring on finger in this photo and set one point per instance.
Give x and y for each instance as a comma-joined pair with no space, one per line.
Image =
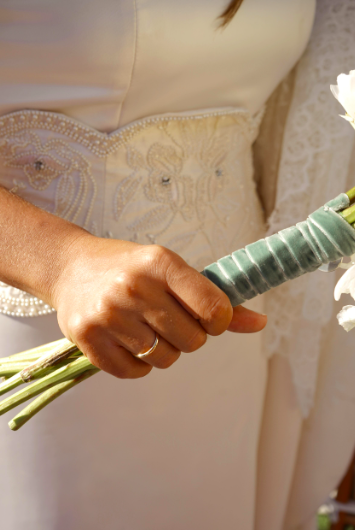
146,353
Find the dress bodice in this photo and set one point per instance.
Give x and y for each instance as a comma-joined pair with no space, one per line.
108,63
136,119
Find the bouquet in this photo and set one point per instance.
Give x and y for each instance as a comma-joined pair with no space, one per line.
320,242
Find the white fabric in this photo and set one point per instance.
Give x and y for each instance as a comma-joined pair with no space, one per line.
314,166
218,440
174,450
109,64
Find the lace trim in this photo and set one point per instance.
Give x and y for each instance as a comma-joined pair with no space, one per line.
313,167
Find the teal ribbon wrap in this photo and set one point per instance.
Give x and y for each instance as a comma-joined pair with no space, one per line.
324,237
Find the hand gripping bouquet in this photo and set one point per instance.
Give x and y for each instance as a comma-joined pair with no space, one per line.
320,242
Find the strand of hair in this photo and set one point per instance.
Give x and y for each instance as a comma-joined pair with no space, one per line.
229,12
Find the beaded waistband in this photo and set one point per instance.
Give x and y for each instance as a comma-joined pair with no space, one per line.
183,180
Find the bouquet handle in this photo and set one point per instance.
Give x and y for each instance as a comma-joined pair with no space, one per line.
324,237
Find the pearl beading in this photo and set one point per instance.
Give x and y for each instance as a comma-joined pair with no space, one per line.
28,307
99,143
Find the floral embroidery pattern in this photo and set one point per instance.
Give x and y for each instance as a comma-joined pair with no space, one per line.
55,159
192,177
183,181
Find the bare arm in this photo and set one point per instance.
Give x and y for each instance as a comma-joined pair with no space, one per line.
34,245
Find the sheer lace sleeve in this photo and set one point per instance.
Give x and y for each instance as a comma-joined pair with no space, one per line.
303,157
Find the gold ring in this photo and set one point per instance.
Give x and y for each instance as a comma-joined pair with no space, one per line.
146,353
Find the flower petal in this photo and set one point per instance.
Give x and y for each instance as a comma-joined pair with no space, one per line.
346,284
335,91
346,317
346,92
343,81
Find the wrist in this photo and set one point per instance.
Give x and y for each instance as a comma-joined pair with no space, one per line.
35,246
71,248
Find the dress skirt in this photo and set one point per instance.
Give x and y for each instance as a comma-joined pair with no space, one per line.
176,449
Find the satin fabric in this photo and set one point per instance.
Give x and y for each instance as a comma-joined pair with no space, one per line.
108,64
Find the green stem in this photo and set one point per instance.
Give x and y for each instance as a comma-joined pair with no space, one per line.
10,384
19,359
28,359
10,369
351,194
47,397
349,214
70,371
34,353
51,358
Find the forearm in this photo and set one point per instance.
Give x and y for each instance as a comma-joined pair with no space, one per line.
34,245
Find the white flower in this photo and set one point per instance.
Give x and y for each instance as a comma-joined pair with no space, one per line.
346,317
344,92
346,285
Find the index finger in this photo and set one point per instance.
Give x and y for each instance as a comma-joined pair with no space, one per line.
200,297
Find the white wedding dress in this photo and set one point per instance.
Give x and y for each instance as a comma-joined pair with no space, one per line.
136,120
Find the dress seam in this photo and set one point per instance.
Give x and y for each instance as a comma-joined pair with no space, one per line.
134,58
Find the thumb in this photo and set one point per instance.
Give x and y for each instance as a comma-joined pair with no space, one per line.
246,321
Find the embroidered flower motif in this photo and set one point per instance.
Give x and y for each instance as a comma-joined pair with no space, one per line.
44,162
40,170
186,173
165,166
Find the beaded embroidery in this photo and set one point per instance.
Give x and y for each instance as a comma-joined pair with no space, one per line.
183,181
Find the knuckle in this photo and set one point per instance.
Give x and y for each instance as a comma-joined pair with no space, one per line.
195,342
104,309
160,317
219,313
83,327
158,252
129,284
159,257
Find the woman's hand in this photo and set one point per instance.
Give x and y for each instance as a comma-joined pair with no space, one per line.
113,296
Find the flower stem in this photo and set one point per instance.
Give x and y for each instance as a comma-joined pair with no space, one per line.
351,194
47,397
349,214
10,369
34,353
70,371
11,383
48,359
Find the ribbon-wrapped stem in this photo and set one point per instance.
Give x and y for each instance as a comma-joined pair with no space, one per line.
324,237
